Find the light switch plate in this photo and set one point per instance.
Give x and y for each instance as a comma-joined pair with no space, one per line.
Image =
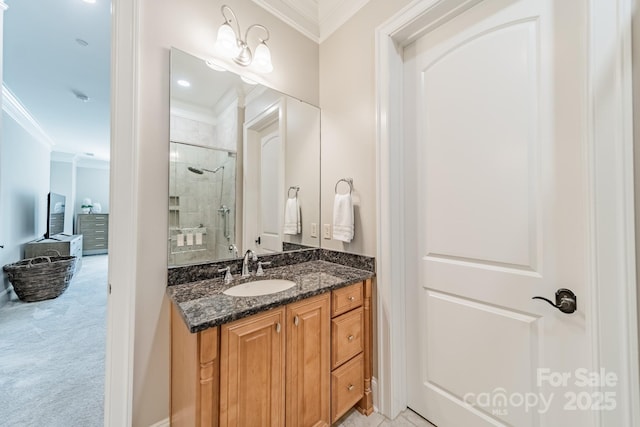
327,231
314,229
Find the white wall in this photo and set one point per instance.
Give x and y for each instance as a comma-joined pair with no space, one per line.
347,101
191,26
92,183
303,166
24,174
63,181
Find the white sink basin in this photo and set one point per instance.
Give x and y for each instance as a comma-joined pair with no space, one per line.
259,287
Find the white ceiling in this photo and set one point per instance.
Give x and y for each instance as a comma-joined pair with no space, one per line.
44,66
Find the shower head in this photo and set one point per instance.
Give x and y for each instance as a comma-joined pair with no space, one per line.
203,170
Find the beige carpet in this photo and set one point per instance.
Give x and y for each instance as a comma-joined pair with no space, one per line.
52,354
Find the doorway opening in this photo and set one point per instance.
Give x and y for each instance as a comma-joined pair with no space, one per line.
56,96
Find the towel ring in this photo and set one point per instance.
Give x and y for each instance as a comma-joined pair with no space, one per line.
293,187
348,181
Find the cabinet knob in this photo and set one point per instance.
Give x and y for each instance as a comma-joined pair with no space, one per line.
350,387
352,298
350,338
278,327
296,320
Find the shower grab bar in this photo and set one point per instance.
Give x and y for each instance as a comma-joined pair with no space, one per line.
224,210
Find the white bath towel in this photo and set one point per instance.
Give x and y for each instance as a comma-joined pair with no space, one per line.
343,218
292,223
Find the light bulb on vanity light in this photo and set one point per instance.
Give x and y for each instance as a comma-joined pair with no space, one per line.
262,59
230,43
226,43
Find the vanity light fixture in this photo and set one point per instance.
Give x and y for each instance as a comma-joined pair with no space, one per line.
231,45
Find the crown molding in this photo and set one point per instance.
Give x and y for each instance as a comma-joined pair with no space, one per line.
192,112
91,163
293,17
309,18
63,157
18,112
333,19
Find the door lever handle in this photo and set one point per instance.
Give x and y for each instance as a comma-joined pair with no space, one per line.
566,300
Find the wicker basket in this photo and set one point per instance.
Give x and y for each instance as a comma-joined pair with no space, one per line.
42,277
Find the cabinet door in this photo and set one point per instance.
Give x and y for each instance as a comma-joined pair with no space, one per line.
252,371
308,372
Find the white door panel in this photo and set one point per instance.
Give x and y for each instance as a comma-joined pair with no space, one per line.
271,193
500,214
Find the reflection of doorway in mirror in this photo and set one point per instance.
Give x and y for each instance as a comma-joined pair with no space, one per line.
201,203
271,184
264,158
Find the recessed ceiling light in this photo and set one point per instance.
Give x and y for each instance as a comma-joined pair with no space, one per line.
183,83
82,43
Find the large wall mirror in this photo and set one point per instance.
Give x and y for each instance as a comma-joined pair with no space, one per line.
244,170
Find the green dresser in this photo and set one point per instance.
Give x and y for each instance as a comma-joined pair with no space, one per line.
95,233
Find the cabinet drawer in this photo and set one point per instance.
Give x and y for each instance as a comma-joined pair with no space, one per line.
94,218
345,299
346,336
95,243
347,387
88,232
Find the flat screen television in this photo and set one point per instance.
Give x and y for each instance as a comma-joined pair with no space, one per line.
55,214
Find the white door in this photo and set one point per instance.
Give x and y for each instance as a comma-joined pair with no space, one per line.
495,112
271,193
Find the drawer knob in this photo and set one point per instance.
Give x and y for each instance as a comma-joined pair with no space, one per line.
350,337
350,387
352,298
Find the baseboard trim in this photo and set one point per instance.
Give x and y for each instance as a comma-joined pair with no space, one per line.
374,393
162,423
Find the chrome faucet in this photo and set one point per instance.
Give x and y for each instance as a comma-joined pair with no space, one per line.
245,262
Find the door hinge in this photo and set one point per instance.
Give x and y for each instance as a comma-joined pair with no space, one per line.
109,286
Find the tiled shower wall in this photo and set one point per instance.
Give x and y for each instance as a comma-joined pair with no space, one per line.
195,199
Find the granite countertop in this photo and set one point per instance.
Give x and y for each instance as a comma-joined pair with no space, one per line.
202,304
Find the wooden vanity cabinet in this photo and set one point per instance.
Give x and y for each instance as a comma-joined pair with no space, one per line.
308,371
351,338
194,375
274,368
252,371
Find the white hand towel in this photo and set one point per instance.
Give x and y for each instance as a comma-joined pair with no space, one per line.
343,218
292,223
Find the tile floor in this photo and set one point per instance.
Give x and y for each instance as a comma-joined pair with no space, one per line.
407,418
